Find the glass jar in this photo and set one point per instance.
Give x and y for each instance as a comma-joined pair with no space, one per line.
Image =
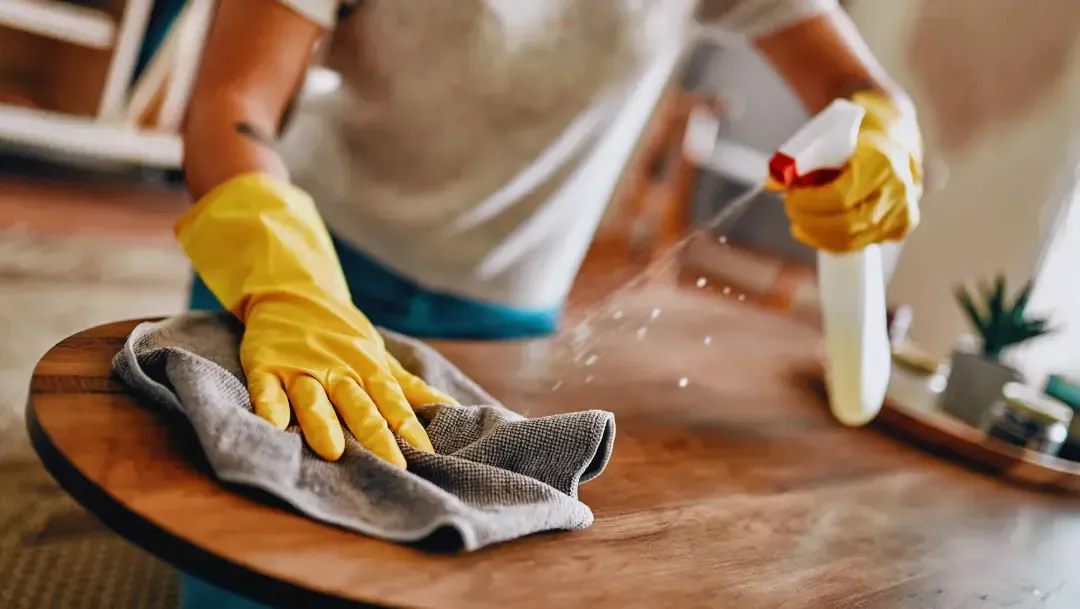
917,379
1067,390
1028,418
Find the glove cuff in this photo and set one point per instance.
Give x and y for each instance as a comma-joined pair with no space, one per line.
880,108
885,116
255,235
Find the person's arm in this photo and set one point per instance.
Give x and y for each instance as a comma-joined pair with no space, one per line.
818,51
823,58
259,244
255,60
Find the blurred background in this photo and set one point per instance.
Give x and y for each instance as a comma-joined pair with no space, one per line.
93,92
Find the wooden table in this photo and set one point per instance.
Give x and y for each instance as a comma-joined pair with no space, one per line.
730,485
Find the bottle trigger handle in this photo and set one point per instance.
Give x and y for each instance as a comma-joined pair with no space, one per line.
819,151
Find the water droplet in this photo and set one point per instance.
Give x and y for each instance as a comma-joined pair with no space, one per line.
742,297
579,336
701,282
708,340
655,313
591,360
588,379
683,382
1037,592
727,290
722,240
556,386
641,333
617,315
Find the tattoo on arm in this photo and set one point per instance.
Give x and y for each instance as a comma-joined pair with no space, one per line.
250,131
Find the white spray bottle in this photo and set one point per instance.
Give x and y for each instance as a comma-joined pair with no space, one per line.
851,285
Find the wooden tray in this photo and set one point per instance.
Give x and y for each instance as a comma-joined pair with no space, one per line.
947,436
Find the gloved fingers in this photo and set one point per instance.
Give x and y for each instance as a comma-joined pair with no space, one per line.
397,411
317,418
874,164
884,116
364,420
817,200
897,211
876,197
915,166
839,223
835,242
800,205
868,172
416,390
901,220
268,398
881,111
839,232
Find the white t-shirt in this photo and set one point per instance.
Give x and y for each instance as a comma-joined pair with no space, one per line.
473,145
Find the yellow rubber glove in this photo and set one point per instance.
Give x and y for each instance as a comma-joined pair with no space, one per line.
260,246
876,197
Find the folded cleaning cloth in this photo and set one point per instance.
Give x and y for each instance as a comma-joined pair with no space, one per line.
495,476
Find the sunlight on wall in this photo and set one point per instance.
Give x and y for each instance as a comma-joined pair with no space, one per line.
1006,184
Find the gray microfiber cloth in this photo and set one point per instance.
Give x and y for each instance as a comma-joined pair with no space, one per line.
495,476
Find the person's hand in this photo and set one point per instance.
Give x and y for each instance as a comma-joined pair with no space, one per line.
261,248
319,359
876,198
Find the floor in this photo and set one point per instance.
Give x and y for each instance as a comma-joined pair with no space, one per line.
75,256
74,252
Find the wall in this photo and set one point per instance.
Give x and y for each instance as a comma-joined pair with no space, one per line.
997,83
761,113
762,110
1057,295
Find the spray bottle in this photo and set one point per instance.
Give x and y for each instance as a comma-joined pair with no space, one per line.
851,285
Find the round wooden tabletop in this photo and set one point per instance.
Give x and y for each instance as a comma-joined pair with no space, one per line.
730,485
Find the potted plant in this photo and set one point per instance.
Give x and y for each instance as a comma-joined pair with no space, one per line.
977,376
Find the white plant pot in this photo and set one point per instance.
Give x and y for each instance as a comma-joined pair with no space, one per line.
974,385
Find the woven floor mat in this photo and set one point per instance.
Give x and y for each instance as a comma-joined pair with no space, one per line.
53,554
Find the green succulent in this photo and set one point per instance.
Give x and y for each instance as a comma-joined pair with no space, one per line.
1001,324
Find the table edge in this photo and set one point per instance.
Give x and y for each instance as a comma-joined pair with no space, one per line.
172,549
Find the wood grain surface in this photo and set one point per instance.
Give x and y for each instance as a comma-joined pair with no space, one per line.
730,484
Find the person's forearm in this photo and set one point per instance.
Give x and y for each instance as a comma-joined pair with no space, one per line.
223,140
825,58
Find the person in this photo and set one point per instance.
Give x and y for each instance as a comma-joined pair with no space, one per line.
453,182
451,185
